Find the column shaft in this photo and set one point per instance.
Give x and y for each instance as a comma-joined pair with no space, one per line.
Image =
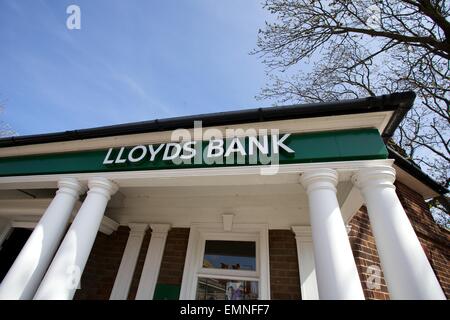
125,274
64,273
306,265
406,269
152,264
337,275
24,276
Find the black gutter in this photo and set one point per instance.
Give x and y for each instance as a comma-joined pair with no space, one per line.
397,102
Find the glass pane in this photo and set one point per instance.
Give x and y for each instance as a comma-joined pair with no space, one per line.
224,289
238,255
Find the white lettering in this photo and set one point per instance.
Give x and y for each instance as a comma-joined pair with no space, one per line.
173,155
154,152
187,148
255,142
216,144
119,156
131,157
107,160
278,143
232,149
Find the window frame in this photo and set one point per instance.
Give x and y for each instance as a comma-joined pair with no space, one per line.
193,268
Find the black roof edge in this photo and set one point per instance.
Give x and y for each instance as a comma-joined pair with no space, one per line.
405,103
407,165
397,102
414,170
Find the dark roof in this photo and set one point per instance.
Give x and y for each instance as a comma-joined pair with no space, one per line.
399,103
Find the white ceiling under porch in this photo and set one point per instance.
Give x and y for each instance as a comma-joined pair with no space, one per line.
185,197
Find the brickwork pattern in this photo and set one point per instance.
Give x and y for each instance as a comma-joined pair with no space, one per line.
102,266
284,276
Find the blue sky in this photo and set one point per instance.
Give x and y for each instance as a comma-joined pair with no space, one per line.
131,61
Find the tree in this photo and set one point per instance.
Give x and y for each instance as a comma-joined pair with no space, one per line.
5,129
366,48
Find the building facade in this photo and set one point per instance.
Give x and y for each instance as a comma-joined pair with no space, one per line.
297,202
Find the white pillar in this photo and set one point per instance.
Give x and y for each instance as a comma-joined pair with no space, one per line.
306,266
337,276
130,256
406,269
152,264
24,276
64,273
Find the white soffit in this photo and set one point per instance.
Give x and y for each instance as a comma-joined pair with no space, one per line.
414,183
377,120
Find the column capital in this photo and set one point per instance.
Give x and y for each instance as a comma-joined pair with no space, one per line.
138,228
70,186
159,228
319,179
102,186
303,233
379,176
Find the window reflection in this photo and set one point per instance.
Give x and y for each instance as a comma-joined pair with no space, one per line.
237,255
225,289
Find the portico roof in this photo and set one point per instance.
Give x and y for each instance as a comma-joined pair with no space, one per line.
395,106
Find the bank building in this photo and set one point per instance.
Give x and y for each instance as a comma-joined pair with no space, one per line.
293,202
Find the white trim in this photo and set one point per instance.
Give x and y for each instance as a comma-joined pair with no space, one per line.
152,264
200,232
306,264
162,177
130,255
227,220
352,204
108,225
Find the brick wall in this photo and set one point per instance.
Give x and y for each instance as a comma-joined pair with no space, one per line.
102,266
104,261
172,263
366,256
284,277
434,240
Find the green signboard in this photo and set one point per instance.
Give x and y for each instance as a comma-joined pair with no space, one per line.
347,145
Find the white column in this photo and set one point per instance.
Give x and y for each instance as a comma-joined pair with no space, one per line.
130,256
337,276
24,276
152,264
406,269
64,273
306,266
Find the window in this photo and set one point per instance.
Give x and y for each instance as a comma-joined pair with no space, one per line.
226,265
236,255
225,289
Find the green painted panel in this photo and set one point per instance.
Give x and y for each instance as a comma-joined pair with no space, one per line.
345,145
166,292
